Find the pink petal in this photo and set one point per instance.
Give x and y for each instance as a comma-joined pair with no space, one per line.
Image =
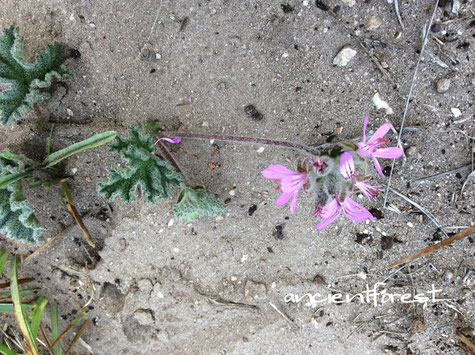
391,152
174,140
380,132
276,172
355,211
347,166
293,203
293,182
329,213
282,199
365,124
378,167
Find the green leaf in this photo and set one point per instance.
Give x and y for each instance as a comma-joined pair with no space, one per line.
3,260
8,307
12,178
195,203
55,329
92,142
17,220
36,315
6,351
20,313
28,83
152,128
154,175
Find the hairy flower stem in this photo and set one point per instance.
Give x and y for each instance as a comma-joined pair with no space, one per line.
168,156
290,145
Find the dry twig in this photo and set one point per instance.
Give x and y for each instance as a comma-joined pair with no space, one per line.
48,243
435,247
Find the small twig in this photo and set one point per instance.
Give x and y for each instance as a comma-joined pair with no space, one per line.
71,208
419,207
81,331
291,145
88,286
441,174
396,9
20,282
48,243
45,336
408,99
435,247
292,323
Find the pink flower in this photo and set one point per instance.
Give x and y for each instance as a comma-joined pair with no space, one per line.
351,209
375,147
347,170
171,140
290,183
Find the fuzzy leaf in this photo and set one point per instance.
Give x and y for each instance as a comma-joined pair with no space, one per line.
27,82
17,220
154,175
195,203
92,142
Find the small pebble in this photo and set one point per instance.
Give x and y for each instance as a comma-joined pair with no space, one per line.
350,3
260,150
252,112
70,112
410,224
205,124
443,85
232,192
170,222
436,27
344,56
411,150
456,112
373,23
449,275
219,218
74,170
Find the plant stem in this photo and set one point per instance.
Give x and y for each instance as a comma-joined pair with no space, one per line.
71,207
168,156
290,145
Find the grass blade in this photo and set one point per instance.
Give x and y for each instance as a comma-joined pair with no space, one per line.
94,141
23,293
55,330
48,144
4,350
37,314
3,260
12,178
8,307
20,313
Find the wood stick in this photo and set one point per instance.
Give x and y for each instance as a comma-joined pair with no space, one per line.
435,247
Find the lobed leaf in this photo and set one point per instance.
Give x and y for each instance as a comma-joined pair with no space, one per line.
154,175
27,83
195,203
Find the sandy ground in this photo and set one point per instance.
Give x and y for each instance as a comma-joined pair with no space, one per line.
219,285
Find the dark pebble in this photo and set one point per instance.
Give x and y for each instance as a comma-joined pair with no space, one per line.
387,170
74,53
386,242
321,5
360,237
270,250
436,27
252,112
252,209
318,279
442,3
278,232
287,8
458,176
376,213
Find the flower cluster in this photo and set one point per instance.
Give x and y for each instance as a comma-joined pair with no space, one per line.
335,179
